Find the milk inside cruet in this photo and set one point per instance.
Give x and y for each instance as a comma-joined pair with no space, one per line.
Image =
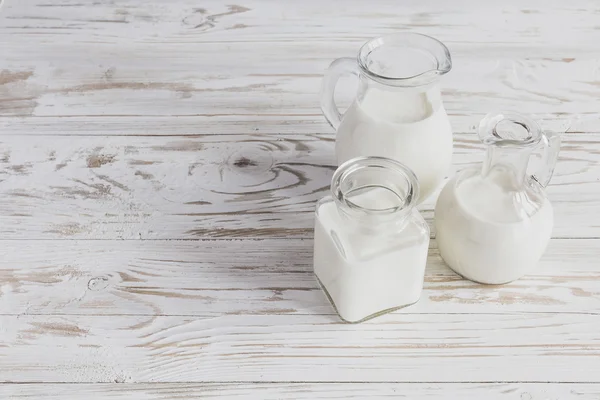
494,222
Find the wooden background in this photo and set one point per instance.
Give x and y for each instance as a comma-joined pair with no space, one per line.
159,167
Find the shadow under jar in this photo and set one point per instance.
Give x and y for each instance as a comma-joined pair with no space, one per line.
398,111
371,242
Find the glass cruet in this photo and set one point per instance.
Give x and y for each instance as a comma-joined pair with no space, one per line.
494,222
397,112
371,242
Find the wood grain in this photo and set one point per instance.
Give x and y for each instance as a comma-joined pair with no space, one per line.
258,63
257,277
219,186
128,125
308,391
312,348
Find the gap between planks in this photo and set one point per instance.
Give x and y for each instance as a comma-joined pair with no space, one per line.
218,239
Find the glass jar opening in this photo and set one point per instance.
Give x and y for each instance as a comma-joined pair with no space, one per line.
509,130
404,59
374,187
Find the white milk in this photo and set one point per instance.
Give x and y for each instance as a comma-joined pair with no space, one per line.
368,272
488,232
410,127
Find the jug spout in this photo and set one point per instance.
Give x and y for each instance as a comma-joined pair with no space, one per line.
404,59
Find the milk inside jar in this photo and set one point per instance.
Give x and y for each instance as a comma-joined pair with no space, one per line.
398,111
371,243
493,223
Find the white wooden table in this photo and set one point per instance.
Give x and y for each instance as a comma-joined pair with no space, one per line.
159,166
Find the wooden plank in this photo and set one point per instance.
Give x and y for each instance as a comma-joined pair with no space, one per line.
208,72
481,85
269,21
309,391
284,348
257,277
218,186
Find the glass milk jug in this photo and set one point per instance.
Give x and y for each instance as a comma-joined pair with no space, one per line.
398,111
371,242
494,222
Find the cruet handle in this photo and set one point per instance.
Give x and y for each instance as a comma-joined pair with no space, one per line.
341,66
551,143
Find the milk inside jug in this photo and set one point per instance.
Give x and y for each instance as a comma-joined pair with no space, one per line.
398,111
494,222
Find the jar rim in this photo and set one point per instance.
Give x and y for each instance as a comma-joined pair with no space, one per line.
402,175
508,129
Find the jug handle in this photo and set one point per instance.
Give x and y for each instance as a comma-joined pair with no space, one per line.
341,66
551,143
